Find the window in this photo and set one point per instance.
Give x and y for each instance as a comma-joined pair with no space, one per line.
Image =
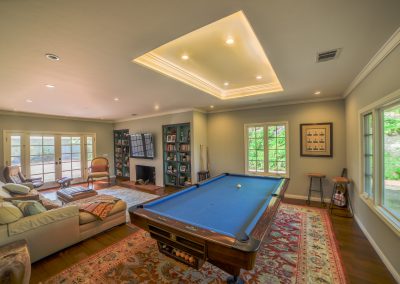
71,156
89,150
380,160
16,144
49,156
391,159
368,154
266,149
42,157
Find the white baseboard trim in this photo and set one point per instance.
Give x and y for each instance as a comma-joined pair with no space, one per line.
382,256
303,197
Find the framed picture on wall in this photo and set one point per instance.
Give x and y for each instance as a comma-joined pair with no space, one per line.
316,139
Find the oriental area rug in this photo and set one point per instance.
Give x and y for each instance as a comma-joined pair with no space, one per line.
300,249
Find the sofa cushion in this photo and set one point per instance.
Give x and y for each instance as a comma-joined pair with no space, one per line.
4,193
9,213
35,221
85,217
98,174
29,207
17,188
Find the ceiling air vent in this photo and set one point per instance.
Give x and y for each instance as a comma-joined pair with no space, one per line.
328,55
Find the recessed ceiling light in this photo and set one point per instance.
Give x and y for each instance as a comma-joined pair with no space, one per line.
156,107
230,41
28,100
226,84
317,93
50,86
116,99
52,57
185,57
258,77
211,106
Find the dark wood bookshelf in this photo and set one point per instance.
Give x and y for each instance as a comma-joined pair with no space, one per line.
121,154
177,154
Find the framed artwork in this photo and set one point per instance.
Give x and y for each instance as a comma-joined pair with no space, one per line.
316,139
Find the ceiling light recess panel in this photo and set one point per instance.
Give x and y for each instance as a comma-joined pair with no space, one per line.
245,58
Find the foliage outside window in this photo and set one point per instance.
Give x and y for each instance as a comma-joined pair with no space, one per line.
381,160
266,149
391,160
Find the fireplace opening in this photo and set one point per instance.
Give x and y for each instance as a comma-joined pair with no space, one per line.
145,175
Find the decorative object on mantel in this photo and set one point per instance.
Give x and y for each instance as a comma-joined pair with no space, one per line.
316,139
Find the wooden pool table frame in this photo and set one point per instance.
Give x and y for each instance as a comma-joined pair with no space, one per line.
225,252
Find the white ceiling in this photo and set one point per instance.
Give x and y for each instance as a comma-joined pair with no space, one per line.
97,39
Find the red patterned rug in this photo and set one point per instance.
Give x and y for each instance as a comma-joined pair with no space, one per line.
300,249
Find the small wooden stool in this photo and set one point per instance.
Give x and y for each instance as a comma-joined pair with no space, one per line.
341,181
320,190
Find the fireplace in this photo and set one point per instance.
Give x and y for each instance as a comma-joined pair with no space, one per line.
147,174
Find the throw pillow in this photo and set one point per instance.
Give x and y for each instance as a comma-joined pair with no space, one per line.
9,213
17,188
49,204
29,207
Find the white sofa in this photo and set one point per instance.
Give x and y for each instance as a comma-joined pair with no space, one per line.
56,229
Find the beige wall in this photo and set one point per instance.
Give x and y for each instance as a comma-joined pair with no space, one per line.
104,136
154,125
384,80
226,140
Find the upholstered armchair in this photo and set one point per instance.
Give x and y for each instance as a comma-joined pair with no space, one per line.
12,174
99,168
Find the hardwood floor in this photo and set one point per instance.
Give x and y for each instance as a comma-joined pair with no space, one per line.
361,262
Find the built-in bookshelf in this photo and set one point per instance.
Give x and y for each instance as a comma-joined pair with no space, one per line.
121,153
177,155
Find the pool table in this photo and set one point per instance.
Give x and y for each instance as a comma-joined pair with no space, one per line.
222,220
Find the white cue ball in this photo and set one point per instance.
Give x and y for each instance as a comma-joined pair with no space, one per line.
238,185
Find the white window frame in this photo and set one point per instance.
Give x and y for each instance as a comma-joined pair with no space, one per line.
374,201
25,150
266,161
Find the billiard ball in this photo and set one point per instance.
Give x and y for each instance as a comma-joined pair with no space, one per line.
238,185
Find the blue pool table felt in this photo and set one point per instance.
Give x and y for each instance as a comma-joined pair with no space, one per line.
218,205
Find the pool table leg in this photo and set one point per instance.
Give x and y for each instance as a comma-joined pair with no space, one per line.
235,279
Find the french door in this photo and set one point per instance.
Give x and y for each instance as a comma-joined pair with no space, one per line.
50,156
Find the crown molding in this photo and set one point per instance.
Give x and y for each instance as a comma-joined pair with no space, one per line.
277,104
39,115
159,114
382,53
